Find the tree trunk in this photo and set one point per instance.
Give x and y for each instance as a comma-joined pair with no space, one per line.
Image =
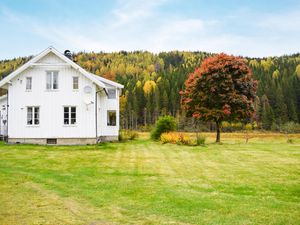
218,131
145,116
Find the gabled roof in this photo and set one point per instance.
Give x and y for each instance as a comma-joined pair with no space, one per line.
99,81
109,82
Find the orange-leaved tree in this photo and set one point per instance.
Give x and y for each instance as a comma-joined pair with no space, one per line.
222,89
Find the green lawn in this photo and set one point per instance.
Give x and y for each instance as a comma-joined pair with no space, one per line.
143,182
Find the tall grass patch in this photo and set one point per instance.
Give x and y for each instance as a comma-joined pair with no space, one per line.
182,139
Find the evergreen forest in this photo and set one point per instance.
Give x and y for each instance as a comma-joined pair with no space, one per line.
152,83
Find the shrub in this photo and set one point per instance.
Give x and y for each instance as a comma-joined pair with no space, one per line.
184,139
125,135
162,125
133,134
200,139
237,126
230,127
226,126
248,127
254,125
175,138
181,139
169,137
275,127
291,127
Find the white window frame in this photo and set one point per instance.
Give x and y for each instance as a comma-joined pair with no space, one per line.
108,122
35,115
115,94
73,83
50,85
69,117
28,87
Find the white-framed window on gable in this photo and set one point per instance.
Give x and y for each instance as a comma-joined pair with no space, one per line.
111,93
33,115
52,80
70,115
111,118
28,83
75,83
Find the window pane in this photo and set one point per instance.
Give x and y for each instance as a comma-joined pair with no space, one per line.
111,93
66,118
36,109
29,116
73,120
36,115
66,115
73,115
66,121
55,80
49,80
28,83
111,117
75,83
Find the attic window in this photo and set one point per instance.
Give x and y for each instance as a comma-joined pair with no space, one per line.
75,83
28,83
52,80
111,93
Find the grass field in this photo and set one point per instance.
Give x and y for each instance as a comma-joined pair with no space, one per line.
144,182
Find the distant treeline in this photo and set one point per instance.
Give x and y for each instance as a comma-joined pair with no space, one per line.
153,81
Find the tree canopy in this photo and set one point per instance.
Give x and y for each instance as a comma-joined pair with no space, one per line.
222,89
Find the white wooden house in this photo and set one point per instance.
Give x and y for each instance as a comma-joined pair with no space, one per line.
51,99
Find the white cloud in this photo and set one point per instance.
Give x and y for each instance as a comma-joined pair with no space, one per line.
62,35
129,11
140,25
173,34
288,21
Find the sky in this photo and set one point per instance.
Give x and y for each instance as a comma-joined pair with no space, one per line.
255,28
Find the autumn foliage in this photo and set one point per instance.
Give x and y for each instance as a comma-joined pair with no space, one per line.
222,89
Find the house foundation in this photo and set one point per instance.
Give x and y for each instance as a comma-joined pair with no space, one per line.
61,141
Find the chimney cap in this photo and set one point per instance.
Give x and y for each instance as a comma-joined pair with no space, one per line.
68,54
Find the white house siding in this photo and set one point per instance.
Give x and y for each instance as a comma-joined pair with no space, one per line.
51,105
50,58
104,105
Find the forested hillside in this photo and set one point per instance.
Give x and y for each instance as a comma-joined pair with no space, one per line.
153,81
